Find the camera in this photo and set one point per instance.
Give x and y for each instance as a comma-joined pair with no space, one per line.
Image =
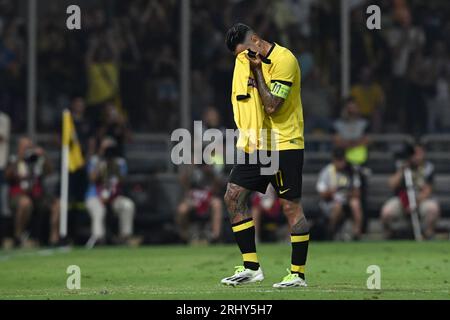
111,152
31,156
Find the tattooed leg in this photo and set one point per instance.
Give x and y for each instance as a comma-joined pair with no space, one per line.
294,214
236,199
299,235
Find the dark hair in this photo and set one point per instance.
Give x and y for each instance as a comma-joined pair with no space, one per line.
111,152
406,152
339,153
348,100
236,35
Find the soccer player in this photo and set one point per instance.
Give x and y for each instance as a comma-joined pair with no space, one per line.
276,75
339,188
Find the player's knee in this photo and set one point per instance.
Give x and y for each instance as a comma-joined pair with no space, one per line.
355,206
386,212
183,209
337,207
431,210
355,203
128,206
294,215
100,212
228,199
290,208
96,209
234,198
216,204
25,203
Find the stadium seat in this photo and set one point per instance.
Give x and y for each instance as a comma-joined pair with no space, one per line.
310,198
442,192
377,193
147,154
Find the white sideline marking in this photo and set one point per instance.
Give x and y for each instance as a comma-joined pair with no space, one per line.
34,253
143,293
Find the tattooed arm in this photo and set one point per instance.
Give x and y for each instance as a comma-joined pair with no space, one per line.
271,102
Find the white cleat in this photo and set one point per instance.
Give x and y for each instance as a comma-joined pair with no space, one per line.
290,281
243,276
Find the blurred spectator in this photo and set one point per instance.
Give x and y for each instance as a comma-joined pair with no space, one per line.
129,63
350,133
200,204
441,101
202,94
83,126
220,74
398,206
212,120
12,51
5,132
78,180
114,127
299,14
368,47
29,198
126,62
131,75
339,186
403,39
107,170
369,96
102,62
302,50
53,52
166,69
167,94
316,98
420,82
270,222
438,64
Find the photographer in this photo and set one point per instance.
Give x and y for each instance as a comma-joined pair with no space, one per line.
339,190
106,172
25,174
114,127
422,176
5,128
351,134
200,204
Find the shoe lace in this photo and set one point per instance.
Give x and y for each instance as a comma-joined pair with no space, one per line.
239,269
290,276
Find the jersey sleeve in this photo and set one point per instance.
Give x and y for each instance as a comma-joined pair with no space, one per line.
429,173
283,77
123,167
356,180
92,165
322,184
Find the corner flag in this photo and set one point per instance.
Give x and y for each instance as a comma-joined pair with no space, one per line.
71,160
70,140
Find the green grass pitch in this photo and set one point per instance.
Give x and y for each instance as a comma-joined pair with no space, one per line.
334,271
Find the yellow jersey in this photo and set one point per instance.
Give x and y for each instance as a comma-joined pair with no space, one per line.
282,74
248,110
103,81
368,98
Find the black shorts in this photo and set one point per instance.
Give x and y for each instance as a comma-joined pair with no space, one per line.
287,181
